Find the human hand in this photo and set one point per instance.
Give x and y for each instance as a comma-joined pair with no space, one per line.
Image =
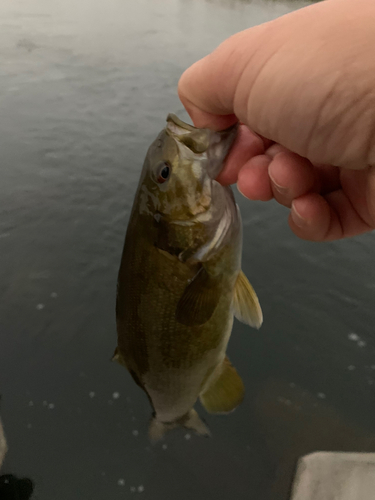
303,87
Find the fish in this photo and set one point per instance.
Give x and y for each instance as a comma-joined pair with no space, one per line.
180,282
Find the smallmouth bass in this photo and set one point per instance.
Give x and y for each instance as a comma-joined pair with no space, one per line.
180,282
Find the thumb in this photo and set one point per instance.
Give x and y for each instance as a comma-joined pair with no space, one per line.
207,89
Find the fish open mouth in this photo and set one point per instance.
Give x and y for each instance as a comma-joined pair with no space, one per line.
215,145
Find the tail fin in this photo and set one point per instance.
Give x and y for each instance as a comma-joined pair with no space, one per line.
191,420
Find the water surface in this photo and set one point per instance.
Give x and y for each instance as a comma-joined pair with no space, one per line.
84,88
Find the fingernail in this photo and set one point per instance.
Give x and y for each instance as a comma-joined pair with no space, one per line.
239,190
281,189
296,217
274,150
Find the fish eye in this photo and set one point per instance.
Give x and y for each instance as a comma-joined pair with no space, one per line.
163,172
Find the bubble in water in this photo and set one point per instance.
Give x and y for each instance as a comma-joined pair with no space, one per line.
135,432
53,295
165,446
29,426
354,337
40,307
121,482
116,395
51,406
285,401
351,367
133,489
92,394
31,403
187,437
141,488
361,343
321,395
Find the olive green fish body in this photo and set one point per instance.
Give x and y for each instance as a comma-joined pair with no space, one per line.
177,281
166,356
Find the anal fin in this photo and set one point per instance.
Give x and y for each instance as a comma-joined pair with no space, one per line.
226,392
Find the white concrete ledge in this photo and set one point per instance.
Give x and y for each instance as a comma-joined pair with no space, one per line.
335,476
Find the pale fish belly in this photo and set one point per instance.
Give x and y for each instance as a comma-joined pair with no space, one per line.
174,392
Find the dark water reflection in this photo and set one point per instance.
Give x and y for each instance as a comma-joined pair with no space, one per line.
84,88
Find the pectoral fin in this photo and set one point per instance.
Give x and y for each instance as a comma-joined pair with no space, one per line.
226,392
199,300
246,304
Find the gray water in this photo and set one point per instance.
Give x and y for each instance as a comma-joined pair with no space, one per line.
84,88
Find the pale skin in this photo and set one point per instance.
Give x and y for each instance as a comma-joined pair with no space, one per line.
303,87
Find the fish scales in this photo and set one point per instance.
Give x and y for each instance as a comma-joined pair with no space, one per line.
180,280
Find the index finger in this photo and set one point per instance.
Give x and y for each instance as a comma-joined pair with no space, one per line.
247,145
207,89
